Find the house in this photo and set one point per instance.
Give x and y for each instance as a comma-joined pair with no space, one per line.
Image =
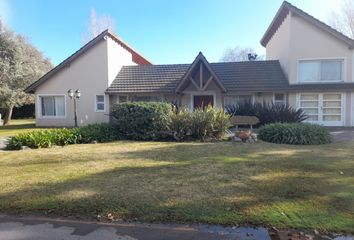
308,65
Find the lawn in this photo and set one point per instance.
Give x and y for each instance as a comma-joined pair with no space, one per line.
17,126
309,187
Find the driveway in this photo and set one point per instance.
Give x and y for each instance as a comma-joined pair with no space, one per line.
342,134
38,228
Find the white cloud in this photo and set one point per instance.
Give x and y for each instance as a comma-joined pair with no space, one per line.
5,12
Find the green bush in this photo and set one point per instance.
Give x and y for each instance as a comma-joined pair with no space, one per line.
142,120
267,112
201,124
43,138
99,132
294,133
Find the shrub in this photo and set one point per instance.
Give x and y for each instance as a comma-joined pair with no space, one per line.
99,132
267,112
294,133
201,124
142,120
43,138
179,124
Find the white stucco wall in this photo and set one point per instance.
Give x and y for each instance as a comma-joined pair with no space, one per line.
92,73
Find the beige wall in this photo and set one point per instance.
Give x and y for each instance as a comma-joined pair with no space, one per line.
91,73
278,48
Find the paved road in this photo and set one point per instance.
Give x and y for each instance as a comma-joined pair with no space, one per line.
34,228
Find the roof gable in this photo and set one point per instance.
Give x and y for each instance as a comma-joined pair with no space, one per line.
200,75
285,9
136,57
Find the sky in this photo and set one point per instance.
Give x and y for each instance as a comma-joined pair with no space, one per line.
162,31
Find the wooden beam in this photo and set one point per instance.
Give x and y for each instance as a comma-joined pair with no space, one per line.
201,76
208,82
192,80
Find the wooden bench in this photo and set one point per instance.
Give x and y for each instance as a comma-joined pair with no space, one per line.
244,120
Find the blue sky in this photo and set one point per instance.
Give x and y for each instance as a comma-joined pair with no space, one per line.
163,31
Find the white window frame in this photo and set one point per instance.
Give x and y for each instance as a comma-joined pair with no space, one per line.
104,103
320,108
39,106
253,97
344,69
285,98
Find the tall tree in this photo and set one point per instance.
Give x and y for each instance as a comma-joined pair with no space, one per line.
238,54
96,25
20,65
343,20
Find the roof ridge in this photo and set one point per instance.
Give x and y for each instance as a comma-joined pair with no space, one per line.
284,10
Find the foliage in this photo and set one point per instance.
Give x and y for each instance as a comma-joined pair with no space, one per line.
142,120
294,133
267,112
24,111
102,132
200,124
20,65
99,132
43,138
238,54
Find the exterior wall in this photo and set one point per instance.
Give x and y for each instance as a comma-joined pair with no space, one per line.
278,48
296,39
91,73
309,42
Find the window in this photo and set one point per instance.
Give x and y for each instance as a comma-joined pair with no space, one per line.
279,99
320,71
52,106
100,103
232,100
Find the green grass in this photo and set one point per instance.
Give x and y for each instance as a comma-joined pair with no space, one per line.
17,126
218,183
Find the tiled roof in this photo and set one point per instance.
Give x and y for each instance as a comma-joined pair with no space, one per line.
235,76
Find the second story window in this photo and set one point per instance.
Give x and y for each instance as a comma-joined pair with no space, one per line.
312,71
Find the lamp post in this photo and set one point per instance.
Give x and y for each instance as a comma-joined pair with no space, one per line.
74,95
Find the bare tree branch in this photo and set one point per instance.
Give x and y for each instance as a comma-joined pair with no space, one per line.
97,24
343,21
238,54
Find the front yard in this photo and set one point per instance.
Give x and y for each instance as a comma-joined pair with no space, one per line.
220,183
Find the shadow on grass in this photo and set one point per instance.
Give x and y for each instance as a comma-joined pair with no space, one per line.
201,183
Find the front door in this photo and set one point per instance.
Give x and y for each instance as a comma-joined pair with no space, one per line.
203,101
323,108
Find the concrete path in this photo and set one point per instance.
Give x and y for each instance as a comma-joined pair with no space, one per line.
3,142
36,228
342,134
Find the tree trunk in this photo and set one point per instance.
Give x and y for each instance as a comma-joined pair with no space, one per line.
8,115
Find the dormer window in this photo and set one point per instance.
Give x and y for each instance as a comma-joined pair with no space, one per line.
314,71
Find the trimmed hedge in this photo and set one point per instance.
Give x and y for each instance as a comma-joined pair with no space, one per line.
102,132
142,120
294,133
267,112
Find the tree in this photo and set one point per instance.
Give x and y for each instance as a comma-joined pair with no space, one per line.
20,65
343,20
96,25
238,54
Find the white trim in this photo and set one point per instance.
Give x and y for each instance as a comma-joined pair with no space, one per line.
104,103
204,93
39,106
344,69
